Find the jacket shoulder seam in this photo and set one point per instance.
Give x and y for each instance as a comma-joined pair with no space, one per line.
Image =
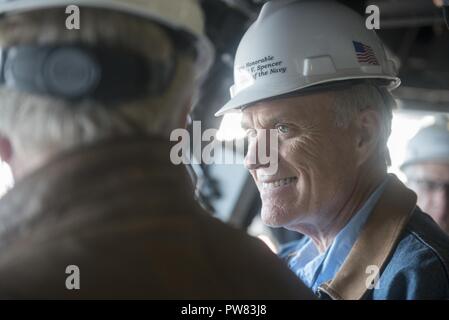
431,249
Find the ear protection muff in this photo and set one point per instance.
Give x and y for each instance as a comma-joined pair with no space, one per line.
76,72
63,72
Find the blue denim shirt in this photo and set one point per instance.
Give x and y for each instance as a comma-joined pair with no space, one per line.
418,267
313,267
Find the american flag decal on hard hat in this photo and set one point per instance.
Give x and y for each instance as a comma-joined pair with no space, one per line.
365,54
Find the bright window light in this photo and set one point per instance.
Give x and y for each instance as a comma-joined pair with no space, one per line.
404,126
6,179
230,128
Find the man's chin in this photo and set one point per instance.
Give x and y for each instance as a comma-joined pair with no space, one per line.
272,217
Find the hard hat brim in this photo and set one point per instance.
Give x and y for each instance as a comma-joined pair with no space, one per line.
247,96
443,159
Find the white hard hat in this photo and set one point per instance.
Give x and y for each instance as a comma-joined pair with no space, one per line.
185,15
299,44
429,144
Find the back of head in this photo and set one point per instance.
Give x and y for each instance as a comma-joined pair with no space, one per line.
40,125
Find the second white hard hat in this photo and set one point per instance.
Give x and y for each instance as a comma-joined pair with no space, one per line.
430,144
299,44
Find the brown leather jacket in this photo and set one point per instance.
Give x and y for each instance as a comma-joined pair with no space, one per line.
125,216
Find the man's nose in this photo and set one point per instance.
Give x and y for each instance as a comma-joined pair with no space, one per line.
252,157
251,161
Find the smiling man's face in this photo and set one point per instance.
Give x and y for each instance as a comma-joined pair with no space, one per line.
316,165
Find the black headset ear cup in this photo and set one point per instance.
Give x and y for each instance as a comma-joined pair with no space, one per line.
70,72
66,72
109,75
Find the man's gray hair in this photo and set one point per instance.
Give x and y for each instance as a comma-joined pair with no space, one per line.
351,100
39,124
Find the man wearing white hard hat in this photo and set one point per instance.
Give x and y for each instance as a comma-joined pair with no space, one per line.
311,71
426,166
98,209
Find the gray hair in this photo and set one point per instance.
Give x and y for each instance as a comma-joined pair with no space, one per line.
350,101
39,124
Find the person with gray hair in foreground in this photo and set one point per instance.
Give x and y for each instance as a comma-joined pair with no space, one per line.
311,71
98,209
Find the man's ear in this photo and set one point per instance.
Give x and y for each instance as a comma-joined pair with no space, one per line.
369,126
5,149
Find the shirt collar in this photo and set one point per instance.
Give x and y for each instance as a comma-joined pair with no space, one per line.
345,239
314,267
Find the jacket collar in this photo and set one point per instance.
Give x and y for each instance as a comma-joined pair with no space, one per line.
135,169
375,243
